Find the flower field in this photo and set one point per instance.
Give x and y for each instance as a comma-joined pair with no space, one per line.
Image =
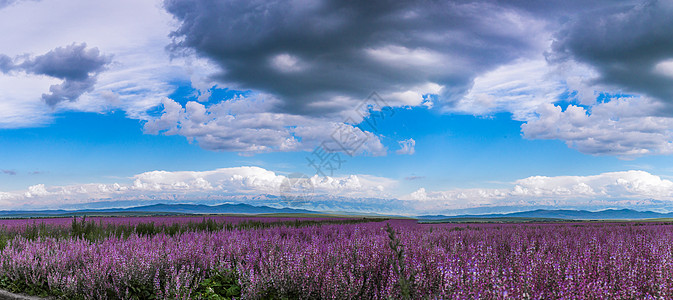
339,259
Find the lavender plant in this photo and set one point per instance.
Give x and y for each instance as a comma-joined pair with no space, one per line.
355,261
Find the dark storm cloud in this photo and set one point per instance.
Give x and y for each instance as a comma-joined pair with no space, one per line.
307,51
76,65
562,9
624,45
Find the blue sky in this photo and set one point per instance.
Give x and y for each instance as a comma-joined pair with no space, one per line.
515,107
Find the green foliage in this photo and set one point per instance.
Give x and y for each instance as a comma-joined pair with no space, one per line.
220,285
19,285
86,230
140,291
405,282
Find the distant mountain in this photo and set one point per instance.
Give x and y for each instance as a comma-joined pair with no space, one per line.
565,214
215,209
157,209
229,208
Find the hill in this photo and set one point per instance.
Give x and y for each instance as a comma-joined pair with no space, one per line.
558,214
158,209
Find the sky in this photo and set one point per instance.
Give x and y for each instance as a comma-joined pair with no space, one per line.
407,107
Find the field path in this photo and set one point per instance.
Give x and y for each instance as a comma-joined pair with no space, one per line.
5,295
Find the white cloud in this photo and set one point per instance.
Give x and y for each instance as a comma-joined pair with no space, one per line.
223,184
353,186
403,56
287,63
414,96
134,33
518,88
624,127
481,68
248,125
614,185
20,103
665,68
358,192
613,189
232,180
407,147
36,191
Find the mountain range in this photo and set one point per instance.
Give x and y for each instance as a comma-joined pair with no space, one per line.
158,209
562,214
229,208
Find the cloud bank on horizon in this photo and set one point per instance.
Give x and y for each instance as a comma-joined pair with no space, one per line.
597,76
366,193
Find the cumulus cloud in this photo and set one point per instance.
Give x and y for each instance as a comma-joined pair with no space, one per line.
309,52
624,44
76,65
357,192
631,189
614,185
73,62
135,32
624,127
249,125
36,191
475,57
318,59
611,48
220,184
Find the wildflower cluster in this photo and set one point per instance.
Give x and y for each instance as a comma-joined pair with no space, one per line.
395,259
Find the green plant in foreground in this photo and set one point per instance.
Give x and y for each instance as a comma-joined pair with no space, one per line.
405,283
220,285
21,286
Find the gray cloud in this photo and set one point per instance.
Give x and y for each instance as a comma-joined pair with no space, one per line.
315,57
624,127
624,44
310,52
69,90
73,62
6,63
560,10
76,65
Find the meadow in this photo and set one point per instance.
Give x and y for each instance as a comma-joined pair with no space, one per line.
333,258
